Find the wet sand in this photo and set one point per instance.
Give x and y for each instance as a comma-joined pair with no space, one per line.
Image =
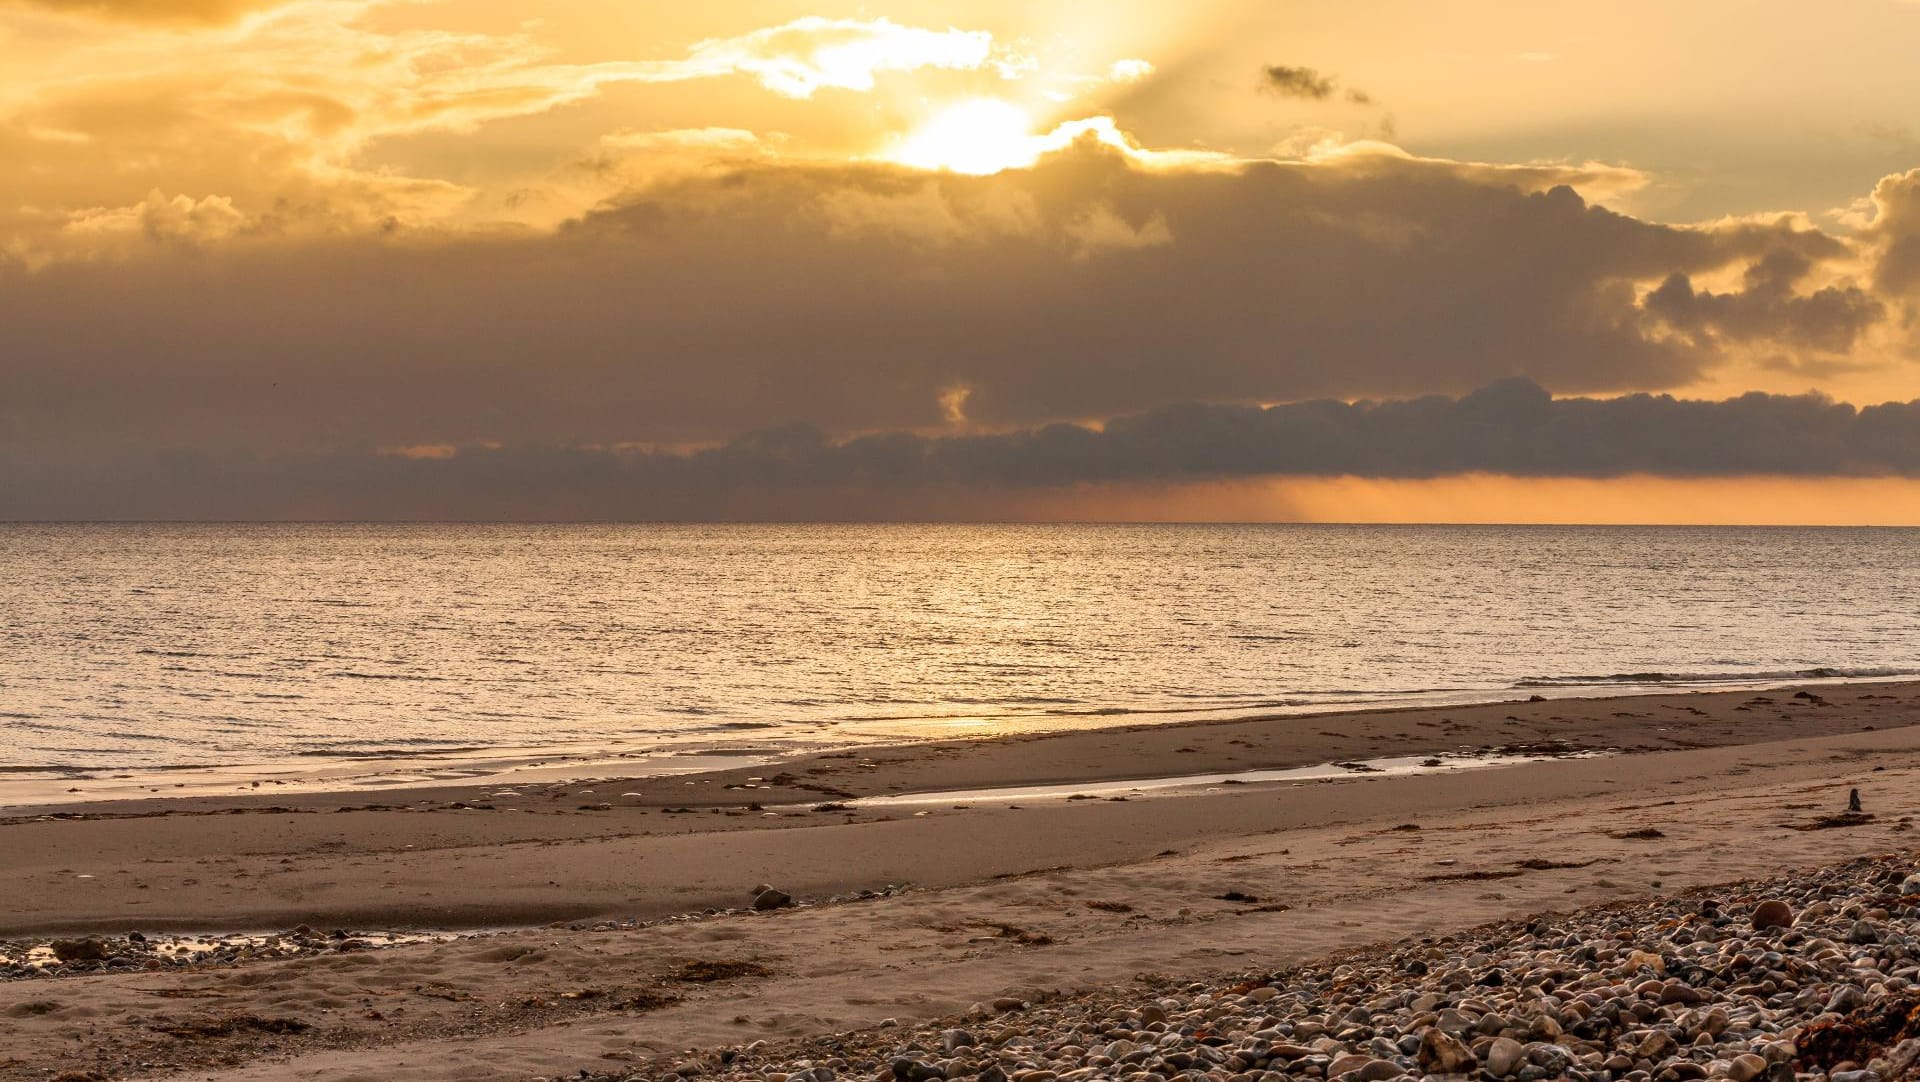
1004,895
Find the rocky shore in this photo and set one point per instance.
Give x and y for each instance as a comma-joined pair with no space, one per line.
1808,977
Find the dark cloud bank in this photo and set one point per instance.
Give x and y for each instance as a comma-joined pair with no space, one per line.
258,378
1512,427
857,297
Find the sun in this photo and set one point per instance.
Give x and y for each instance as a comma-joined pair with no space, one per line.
977,137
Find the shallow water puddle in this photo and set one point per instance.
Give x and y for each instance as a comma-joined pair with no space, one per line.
1392,766
25,957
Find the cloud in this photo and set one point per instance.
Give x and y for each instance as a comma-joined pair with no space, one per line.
1511,428
813,53
180,219
854,295
1307,83
1770,307
280,113
1894,231
1293,82
157,11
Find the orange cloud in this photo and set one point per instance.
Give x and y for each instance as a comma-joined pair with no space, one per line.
1487,499
156,11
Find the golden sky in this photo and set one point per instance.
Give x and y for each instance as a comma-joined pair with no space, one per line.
334,256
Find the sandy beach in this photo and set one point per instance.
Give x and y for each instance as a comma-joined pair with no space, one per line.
618,910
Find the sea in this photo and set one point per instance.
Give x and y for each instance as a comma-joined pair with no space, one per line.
133,650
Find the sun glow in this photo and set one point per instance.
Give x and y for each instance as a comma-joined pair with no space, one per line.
983,136
977,137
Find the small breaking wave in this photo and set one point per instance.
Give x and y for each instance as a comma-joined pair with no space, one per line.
1731,676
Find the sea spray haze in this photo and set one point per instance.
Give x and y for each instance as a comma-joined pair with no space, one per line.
141,646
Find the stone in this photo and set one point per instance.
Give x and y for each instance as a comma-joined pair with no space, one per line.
1845,998
89,949
1504,1056
1287,1050
1862,933
770,898
1675,992
1654,1045
1746,1068
1442,1053
1347,1064
1772,913
1911,884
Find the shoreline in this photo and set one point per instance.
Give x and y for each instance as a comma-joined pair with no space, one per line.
79,790
492,854
612,894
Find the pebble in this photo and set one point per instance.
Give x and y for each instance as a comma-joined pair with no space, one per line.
1772,913
1761,984
1505,1056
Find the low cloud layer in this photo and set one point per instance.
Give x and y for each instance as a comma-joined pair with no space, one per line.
1512,428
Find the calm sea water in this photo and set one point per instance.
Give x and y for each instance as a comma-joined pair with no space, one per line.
130,647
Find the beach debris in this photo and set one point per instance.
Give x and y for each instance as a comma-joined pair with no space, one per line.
1471,877
708,972
1855,816
1442,1053
25,959
227,1025
1015,933
767,898
90,949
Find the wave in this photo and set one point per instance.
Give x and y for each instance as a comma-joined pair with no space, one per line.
390,748
1731,676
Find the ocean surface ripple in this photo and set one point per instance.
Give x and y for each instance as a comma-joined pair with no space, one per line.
161,646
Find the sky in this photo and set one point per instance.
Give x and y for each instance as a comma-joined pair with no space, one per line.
1370,260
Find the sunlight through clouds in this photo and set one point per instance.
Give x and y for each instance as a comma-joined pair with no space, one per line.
811,54
272,117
